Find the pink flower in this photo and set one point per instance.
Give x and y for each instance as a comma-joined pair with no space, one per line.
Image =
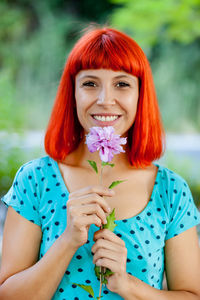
104,140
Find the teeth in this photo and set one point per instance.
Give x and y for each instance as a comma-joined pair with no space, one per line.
105,119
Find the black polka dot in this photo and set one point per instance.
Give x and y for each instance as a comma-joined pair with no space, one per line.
105,292
56,236
54,175
50,201
149,254
125,221
184,194
61,290
163,222
158,209
43,217
148,214
88,281
158,237
74,286
152,226
175,191
147,241
58,183
29,177
34,208
80,270
57,223
140,257
179,208
78,256
136,246
43,178
141,228
64,207
67,272
132,232
119,235
138,218
38,168
128,260
47,189
24,191
181,225
63,195
172,179
144,270
35,194
188,213
14,197
49,164
52,211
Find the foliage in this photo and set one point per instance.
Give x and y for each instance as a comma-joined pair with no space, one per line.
150,21
11,158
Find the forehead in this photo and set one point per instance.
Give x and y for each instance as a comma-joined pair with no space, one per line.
102,73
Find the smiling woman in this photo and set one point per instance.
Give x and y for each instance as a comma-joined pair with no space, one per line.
56,204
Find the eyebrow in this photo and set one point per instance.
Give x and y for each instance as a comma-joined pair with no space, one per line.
116,77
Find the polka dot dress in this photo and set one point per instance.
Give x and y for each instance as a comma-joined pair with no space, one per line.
39,194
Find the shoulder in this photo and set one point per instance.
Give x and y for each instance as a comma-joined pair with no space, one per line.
31,169
171,179
34,165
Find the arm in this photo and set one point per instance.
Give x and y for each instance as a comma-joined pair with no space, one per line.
182,270
21,276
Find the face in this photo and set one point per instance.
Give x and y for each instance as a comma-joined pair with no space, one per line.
106,98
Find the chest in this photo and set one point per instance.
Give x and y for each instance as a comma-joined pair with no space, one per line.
131,196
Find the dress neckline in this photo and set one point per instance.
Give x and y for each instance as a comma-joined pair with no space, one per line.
147,207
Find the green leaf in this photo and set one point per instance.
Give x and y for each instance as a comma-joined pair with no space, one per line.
114,183
87,288
107,164
110,221
107,273
93,165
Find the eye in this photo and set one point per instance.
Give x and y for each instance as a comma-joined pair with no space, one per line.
89,83
122,84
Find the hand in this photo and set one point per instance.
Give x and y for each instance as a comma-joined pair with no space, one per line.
85,207
110,252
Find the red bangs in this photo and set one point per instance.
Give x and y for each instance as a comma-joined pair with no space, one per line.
105,51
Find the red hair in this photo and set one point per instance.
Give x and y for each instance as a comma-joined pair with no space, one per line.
109,49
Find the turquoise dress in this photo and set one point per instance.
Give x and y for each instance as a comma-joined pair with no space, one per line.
39,194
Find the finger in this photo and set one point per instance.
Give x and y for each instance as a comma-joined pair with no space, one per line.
90,209
90,198
108,263
81,221
105,253
105,244
108,235
98,189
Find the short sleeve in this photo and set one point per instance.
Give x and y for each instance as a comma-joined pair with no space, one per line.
183,212
23,194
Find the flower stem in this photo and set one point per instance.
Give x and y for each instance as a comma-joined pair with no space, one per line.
102,270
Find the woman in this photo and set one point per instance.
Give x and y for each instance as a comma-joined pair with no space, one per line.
56,205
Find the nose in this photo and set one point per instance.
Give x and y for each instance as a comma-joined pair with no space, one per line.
105,96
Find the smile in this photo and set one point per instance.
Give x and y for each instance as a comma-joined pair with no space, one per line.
105,118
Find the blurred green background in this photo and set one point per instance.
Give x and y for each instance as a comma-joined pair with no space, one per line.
35,39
